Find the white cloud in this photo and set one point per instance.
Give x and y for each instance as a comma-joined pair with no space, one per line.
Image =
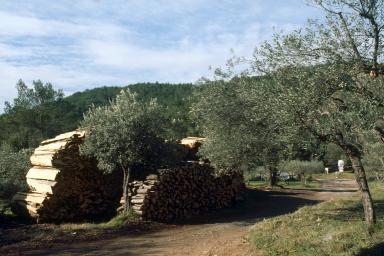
80,44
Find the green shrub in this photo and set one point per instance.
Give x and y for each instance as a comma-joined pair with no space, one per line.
13,168
333,153
373,161
257,174
301,169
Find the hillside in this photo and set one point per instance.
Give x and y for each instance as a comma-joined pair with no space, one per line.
25,129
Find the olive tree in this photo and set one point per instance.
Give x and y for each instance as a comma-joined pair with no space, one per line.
242,128
374,160
324,72
125,134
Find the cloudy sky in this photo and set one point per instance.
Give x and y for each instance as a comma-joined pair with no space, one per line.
80,44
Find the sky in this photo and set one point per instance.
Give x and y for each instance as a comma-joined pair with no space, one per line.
83,44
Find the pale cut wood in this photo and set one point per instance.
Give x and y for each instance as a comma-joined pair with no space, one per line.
30,197
64,136
41,186
142,191
191,142
42,160
52,146
31,209
138,196
44,152
137,207
137,201
79,179
41,173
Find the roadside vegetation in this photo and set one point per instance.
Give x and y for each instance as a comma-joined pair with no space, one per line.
329,228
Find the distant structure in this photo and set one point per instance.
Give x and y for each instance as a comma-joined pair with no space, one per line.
340,165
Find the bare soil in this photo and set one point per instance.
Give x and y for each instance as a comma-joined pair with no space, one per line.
222,232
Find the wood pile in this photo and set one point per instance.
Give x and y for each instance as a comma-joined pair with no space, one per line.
65,186
192,142
191,146
184,191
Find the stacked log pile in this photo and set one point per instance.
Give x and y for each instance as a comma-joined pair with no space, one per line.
191,146
184,191
65,186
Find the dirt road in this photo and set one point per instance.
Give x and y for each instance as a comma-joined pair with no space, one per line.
221,233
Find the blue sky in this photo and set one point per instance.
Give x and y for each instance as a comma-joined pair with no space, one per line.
82,44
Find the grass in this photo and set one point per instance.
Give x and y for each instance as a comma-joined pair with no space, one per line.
329,228
116,222
5,210
290,185
333,175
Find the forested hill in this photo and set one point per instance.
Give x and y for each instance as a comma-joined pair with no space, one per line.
25,128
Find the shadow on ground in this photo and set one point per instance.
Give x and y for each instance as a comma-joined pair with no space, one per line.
258,204
183,237
377,250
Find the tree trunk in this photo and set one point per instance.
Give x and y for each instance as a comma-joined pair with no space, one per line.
272,176
361,179
127,202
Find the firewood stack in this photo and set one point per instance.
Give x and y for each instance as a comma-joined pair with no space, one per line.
184,191
65,186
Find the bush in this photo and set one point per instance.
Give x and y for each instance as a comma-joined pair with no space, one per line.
257,174
373,161
13,168
301,169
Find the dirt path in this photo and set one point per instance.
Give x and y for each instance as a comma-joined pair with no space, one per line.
218,233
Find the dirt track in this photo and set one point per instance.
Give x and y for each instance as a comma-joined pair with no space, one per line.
221,233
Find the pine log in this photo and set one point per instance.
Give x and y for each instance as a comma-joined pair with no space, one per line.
41,186
38,172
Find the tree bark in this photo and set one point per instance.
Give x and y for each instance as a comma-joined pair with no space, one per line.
361,179
272,176
127,202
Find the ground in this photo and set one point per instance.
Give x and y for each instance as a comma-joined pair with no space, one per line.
221,232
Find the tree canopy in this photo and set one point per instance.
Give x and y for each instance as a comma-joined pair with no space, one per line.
24,127
243,128
323,70
28,98
125,134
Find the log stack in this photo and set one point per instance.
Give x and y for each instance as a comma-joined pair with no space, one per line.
65,186
184,191
191,146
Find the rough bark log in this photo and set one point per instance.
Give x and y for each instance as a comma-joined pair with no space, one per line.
361,179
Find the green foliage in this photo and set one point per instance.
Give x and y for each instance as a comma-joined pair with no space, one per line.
25,127
322,69
13,168
129,132
333,153
297,167
255,174
242,128
27,98
374,160
176,100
